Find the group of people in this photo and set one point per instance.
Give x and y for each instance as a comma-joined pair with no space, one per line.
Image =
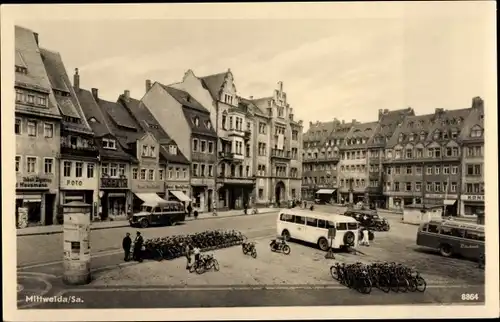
137,248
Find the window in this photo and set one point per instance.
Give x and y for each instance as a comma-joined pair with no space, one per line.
145,150
210,170
408,170
160,174
31,99
313,222
152,152
177,173
121,169
90,170
418,186
454,169
195,169
78,169
397,170
172,149
109,144
437,186
17,126
184,173
195,145
431,228
224,120
428,170
428,186
299,220
418,170
474,169
476,132
112,170
203,146
134,173
419,153
210,147
261,193
104,168
446,170
262,128
42,101
31,128
396,186
67,168
437,169
18,163
409,153
202,170
151,174
48,130
143,174
408,186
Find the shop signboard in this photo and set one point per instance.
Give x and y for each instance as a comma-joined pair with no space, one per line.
33,182
472,197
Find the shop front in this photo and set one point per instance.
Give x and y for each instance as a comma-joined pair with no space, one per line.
326,195
448,202
36,198
115,198
471,205
81,189
178,191
202,194
144,191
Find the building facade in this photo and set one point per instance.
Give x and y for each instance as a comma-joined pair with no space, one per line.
422,161
278,162
472,139
189,124
353,165
37,129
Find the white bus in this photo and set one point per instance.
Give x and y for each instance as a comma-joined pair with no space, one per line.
312,227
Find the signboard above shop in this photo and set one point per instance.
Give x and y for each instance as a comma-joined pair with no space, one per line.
472,197
33,182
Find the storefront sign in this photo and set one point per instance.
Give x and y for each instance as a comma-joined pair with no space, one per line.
114,183
177,186
440,196
74,182
33,182
148,186
472,197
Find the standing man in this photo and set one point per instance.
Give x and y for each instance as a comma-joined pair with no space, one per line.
214,207
196,252
189,209
188,250
245,208
126,243
138,242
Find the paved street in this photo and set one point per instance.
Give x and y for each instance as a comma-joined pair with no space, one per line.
301,278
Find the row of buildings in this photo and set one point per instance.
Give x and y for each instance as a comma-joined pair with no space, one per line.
196,141
401,159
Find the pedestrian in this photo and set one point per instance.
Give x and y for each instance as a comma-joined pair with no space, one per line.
188,250
195,213
126,243
305,204
214,207
189,209
196,252
311,208
245,208
366,239
138,242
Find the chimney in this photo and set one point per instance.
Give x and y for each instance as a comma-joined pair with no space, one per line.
380,113
439,111
188,98
251,97
280,84
126,94
148,85
36,37
477,102
76,80
95,93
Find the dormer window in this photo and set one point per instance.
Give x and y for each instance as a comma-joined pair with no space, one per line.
411,138
109,144
437,135
22,70
228,99
422,136
400,138
454,134
209,125
196,121
92,119
152,152
476,132
172,149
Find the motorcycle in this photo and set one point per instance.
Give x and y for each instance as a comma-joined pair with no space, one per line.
249,248
280,246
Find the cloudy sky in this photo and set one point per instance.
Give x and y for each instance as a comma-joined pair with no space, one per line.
347,61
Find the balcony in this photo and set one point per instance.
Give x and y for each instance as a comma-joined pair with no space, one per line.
116,183
230,156
236,132
281,154
81,151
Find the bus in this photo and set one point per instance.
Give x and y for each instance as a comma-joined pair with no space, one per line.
313,227
163,213
452,237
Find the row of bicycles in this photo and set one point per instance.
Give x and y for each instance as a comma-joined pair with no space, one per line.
172,247
387,277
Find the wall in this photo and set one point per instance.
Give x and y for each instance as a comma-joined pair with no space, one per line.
171,117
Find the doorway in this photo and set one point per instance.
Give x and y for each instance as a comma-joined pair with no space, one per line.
279,192
50,200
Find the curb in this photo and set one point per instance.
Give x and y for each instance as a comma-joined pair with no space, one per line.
126,224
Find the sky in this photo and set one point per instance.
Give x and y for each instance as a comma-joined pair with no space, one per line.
347,62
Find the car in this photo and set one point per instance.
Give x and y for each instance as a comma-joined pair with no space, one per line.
368,219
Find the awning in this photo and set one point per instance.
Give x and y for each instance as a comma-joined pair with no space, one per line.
449,202
116,194
150,199
30,198
325,191
180,195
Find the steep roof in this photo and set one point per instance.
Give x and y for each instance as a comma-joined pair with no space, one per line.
446,121
120,122
66,98
318,131
213,83
412,124
204,127
27,56
388,123
359,131
92,112
475,118
184,98
150,123
249,103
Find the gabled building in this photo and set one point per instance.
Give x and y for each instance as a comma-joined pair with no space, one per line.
37,129
472,141
353,164
175,173
278,154
388,121
422,160
79,154
189,124
320,156
113,170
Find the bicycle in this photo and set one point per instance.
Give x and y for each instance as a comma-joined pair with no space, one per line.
249,248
